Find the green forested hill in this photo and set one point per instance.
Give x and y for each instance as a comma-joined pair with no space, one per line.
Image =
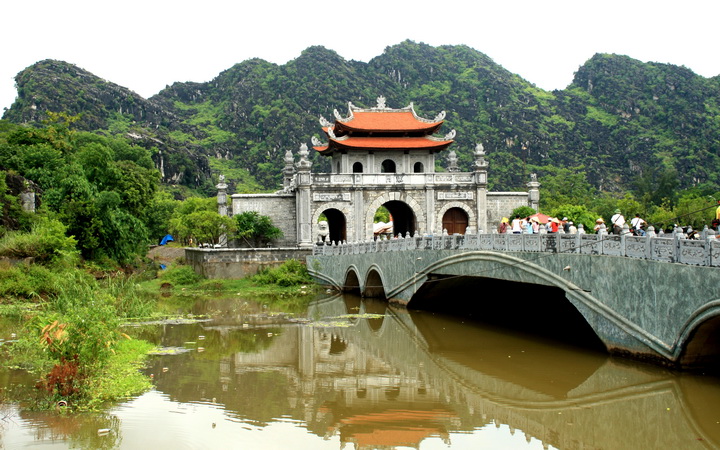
626,124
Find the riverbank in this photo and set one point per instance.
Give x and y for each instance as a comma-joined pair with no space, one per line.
70,326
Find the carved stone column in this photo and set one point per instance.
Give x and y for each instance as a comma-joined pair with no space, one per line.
304,198
534,192
222,196
480,167
222,206
288,171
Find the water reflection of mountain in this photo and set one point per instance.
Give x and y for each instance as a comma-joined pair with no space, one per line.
397,379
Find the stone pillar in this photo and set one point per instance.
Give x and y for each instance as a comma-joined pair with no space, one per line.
481,170
430,214
288,171
304,199
534,192
222,206
358,211
222,197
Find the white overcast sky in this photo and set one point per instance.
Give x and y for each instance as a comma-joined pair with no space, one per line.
145,45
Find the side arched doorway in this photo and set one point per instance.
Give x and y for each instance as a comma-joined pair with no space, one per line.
337,225
403,217
455,221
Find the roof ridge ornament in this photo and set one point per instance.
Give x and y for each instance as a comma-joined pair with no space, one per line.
342,119
324,122
448,137
317,142
331,135
381,102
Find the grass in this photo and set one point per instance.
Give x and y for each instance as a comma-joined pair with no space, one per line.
120,377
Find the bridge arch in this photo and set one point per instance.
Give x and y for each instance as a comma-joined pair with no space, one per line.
374,286
352,281
489,264
698,346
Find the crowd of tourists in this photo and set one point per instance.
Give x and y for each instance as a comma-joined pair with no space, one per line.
534,224
636,226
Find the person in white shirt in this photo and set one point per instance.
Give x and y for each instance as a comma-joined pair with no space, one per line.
516,225
617,221
637,223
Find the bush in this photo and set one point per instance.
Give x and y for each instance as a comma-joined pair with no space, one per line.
254,229
522,212
45,243
291,273
181,276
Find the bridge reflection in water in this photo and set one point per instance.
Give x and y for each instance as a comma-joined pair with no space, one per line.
384,377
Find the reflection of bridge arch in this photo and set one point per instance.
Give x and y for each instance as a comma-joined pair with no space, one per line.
573,396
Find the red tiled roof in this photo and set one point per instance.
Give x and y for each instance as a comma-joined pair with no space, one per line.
387,121
387,143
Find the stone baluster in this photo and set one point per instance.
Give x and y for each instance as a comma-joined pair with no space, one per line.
650,233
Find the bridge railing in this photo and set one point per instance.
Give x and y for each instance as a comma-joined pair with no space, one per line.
670,248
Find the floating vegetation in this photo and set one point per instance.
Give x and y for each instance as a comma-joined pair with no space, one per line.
169,351
170,321
344,321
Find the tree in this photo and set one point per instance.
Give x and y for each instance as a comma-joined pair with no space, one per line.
577,214
196,220
564,186
255,230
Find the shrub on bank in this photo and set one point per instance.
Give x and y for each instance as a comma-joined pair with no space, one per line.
45,243
291,273
72,339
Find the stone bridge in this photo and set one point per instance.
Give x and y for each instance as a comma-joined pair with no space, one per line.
646,297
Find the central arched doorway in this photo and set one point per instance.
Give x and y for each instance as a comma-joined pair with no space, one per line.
403,217
455,221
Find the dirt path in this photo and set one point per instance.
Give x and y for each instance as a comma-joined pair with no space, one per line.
165,254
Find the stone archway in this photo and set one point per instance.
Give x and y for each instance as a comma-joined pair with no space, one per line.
455,221
337,225
403,217
338,219
413,208
456,217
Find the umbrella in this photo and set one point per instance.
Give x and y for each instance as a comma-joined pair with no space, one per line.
542,218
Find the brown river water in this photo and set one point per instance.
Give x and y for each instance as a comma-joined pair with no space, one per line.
359,374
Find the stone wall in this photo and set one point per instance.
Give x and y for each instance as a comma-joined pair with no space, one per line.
501,204
281,209
234,263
